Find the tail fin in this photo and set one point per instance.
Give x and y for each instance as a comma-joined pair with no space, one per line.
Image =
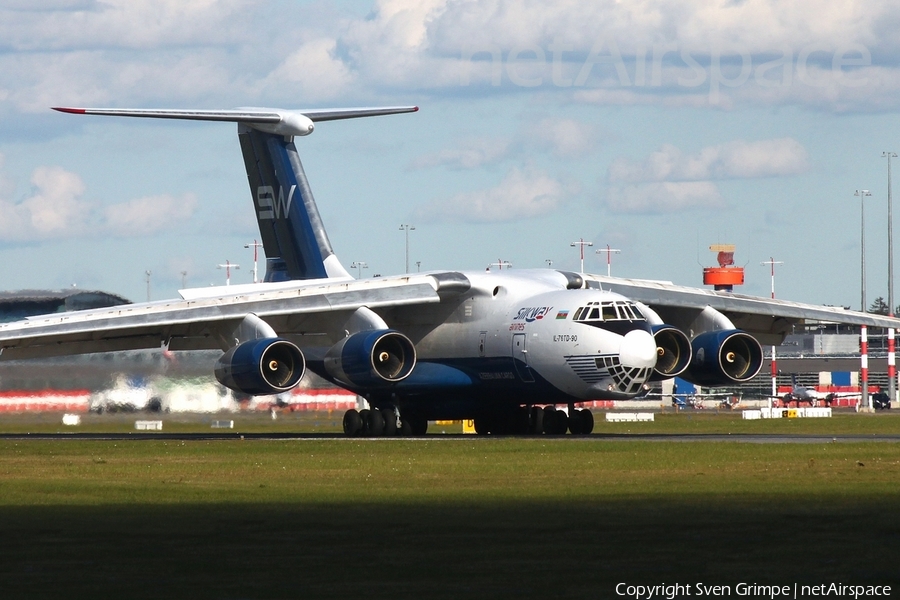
293,236
294,239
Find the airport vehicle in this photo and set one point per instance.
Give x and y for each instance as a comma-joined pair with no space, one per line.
501,347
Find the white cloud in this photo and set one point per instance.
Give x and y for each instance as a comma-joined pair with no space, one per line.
312,71
55,209
736,159
145,216
521,195
683,52
566,138
666,197
468,154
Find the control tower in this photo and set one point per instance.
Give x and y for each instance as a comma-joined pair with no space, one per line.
726,275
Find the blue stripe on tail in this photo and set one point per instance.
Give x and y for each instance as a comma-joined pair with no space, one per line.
294,239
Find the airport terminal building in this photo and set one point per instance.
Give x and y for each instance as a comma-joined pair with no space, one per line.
27,303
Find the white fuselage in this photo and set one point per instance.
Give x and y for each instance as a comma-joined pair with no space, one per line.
523,329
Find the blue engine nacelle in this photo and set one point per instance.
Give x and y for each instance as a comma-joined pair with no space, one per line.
371,358
673,352
266,366
724,357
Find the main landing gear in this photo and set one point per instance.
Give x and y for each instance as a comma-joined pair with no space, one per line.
522,420
536,421
386,422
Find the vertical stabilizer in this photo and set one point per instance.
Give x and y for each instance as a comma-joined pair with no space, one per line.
294,239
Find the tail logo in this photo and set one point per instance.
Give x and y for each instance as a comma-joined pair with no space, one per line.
270,206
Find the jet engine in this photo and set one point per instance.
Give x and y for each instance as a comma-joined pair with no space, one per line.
724,357
371,358
265,366
673,350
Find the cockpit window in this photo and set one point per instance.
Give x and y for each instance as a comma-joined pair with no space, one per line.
617,310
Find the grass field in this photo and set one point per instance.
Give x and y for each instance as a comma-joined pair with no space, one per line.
443,518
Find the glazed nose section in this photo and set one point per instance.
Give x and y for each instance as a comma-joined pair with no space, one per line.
638,350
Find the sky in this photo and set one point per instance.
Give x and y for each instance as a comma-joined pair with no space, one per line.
657,128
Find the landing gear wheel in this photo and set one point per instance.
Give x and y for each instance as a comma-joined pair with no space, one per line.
352,423
586,417
521,421
417,425
390,422
376,423
364,417
574,422
554,421
537,420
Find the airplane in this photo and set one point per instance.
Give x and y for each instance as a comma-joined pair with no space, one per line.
503,348
801,393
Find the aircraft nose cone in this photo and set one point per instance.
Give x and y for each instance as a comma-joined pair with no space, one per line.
638,349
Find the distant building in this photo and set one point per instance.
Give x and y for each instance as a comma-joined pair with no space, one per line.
28,303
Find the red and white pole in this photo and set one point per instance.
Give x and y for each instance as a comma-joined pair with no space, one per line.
774,379
892,369
864,365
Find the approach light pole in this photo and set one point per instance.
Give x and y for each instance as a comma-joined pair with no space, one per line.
148,273
256,246
184,280
499,264
772,262
228,266
582,244
863,330
891,332
609,252
359,266
407,228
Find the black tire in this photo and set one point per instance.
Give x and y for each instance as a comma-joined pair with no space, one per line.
537,420
417,425
364,417
352,423
573,422
521,421
376,423
561,423
551,416
587,421
390,422
483,426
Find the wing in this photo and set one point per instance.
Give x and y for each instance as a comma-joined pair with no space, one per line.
768,320
317,309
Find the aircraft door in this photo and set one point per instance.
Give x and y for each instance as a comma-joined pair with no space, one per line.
520,358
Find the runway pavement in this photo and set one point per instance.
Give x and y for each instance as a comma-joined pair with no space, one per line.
604,437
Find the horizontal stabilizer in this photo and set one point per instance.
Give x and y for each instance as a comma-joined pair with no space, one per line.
270,120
